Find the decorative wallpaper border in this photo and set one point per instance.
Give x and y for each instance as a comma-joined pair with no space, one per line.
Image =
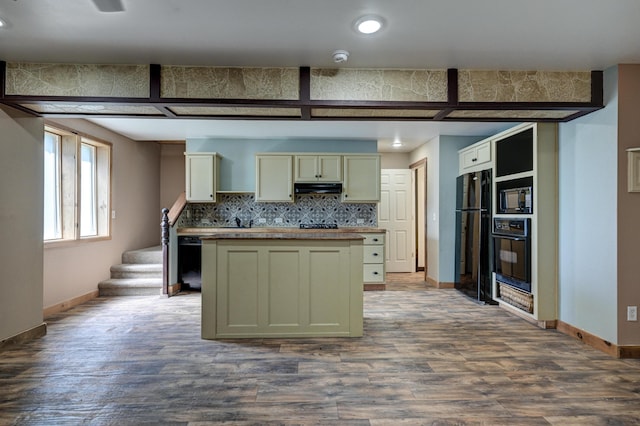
33,79
524,86
229,82
379,84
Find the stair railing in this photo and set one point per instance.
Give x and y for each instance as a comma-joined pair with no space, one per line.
169,219
164,239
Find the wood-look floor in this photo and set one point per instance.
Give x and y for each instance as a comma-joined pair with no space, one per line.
428,357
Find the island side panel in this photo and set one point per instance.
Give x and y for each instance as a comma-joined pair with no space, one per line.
209,292
356,303
283,290
239,289
271,288
328,278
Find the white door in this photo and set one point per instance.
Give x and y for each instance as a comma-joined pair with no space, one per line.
395,214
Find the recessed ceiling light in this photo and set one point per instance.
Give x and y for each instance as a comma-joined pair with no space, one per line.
396,143
368,24
2,23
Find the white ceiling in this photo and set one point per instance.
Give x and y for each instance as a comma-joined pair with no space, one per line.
490,34
412,134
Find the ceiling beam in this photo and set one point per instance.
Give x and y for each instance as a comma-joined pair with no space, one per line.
304,107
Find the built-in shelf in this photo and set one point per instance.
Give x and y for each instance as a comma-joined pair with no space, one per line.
544,220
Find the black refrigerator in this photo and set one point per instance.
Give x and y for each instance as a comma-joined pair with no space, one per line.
473,264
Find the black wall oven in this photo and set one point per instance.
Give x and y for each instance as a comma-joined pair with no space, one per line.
512,252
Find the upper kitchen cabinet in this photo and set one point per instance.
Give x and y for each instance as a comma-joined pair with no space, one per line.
274,178
201,178
318,168
476,157
361,178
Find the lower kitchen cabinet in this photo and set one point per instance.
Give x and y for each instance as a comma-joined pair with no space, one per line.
373,262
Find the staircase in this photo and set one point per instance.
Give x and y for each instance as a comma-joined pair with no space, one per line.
140,274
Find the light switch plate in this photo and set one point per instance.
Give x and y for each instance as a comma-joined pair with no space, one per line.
632,313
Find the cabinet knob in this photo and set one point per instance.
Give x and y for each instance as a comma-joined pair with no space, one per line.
375,239
375,254
475,159
210,195
345,195
375,273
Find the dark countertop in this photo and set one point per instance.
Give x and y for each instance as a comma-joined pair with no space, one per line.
212,231
233,235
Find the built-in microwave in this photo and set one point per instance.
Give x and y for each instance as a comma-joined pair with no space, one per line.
515,196
516,200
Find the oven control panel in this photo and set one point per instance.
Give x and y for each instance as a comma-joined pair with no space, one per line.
504,226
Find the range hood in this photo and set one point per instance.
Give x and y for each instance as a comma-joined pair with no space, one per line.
317,188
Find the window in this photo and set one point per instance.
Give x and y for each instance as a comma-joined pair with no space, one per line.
77,185
88,209
52,213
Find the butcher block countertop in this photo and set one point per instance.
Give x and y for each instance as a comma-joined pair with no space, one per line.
233,235
284,233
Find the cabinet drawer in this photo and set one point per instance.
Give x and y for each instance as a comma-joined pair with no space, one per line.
373,273
373,239
373,254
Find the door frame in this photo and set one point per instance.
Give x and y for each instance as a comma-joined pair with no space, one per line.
414,168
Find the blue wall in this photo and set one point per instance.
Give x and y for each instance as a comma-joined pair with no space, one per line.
588,149
238,167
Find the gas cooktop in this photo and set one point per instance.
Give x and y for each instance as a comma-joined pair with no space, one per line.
318,226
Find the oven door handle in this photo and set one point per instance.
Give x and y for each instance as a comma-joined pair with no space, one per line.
508,237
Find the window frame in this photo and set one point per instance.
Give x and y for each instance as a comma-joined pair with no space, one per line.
57,197
70,186
92,186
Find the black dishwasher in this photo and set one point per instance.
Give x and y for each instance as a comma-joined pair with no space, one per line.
189,262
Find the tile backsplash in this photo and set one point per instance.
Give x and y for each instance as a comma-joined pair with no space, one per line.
307,209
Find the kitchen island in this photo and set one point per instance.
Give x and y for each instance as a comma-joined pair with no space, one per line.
281,284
